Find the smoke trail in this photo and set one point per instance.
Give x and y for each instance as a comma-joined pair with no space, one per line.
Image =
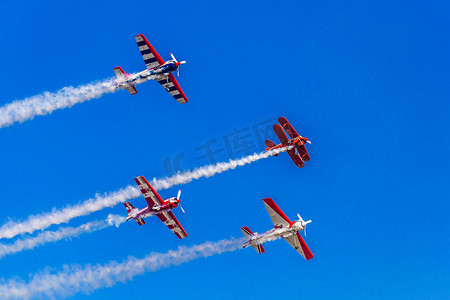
45,220
46,103
53,236
211,170
86,279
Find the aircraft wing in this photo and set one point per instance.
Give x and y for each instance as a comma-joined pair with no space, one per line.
151,57
278,217
169,219
150,195
284,140
171,85
288,127
304,155
296,241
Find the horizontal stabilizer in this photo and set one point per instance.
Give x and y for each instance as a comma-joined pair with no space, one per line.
131,89
120,73
140,221
128,206
270,145
259,248
247,232
121,77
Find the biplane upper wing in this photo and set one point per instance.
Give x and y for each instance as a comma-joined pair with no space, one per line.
296,241
150,195
293,134
288,127
284,140
171,85
151,57
277,216
170,221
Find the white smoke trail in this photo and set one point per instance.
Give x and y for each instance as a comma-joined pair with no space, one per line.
45,220
53,236
211,170
86,279
46,103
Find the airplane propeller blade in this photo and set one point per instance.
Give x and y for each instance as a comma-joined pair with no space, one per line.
173,57
178,72
300,218
179,194
182,209
309,142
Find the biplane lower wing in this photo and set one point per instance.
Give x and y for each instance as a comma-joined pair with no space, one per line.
296,241
284,141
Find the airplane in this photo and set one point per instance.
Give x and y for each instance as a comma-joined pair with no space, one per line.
157,69
284,228
297,150
156,206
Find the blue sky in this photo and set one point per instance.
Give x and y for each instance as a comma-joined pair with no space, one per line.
366,82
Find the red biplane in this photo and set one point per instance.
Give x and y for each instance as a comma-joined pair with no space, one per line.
297,151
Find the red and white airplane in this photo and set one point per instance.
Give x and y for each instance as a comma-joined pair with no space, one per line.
283,228
297,150
156,206
157,69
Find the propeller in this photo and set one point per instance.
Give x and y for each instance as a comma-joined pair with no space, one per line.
303,223
177,63
309,142
178,198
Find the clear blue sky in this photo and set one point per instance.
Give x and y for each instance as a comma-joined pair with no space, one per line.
367,82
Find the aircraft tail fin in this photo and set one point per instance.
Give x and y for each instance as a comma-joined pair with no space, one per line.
248,234
270,145
122,76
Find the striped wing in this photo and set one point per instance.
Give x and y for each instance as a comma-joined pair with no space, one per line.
170,221
150,195
171,85
151,57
